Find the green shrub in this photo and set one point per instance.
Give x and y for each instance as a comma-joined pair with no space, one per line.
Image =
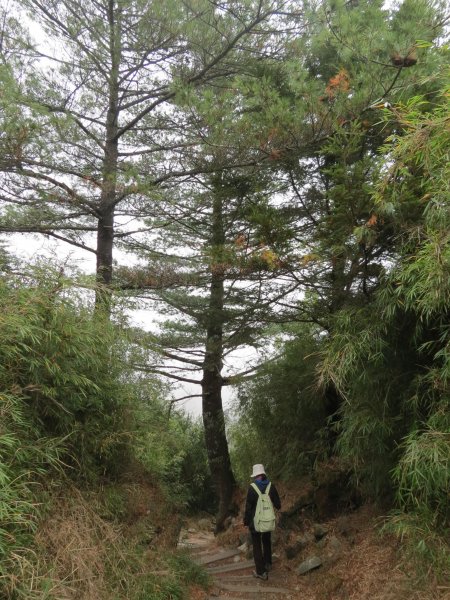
172,448
72,407
61,403
390,361
64,365
282,415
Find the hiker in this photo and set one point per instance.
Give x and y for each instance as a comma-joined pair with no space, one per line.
261,532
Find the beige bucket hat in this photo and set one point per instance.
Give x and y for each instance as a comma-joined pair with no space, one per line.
258,470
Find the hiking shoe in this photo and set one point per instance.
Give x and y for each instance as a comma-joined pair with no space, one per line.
263,576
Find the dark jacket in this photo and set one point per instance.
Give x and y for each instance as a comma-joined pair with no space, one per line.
252,500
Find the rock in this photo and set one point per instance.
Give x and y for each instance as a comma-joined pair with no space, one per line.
319,531
205,525
243,538
299,544
237,559
243,547
333,550
334,545
314,562
330,585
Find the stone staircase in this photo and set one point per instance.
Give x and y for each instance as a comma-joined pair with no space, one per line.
232,574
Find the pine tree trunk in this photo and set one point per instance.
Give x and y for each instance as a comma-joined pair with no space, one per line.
213,415
216,442
105,225
105,230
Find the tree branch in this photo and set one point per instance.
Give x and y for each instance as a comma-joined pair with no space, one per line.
145,369
183,360
198,77
185,398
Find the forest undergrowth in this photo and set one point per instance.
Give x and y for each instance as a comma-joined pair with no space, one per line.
97,474
94,470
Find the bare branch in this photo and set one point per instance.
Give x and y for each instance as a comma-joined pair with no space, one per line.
145,369
185,398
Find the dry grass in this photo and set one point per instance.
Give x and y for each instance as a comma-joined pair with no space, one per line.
146,510
80,552
368,567
78,546
79,555
372,568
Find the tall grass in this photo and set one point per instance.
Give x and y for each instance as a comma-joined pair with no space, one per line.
80,435
59,406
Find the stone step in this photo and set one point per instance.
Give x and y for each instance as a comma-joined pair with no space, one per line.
262,588
227,597
245,564
230,578
211,558
206,548
194,548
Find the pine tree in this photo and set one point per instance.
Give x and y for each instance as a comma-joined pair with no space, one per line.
106,76
219,277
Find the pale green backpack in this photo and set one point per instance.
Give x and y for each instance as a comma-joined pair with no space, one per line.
265,515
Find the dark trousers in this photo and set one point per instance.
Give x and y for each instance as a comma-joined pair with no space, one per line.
262,550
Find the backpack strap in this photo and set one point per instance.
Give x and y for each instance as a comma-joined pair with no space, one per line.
258,491
256,488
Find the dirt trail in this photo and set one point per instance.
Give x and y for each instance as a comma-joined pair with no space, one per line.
358,564
232,573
